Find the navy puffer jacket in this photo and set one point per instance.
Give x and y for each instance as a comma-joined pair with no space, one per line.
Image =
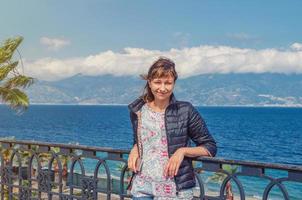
183,123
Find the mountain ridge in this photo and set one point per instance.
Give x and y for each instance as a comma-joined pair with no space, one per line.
247,89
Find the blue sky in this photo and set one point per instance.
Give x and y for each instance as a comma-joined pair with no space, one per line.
82,29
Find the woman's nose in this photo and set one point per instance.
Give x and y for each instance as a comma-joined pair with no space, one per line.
162,87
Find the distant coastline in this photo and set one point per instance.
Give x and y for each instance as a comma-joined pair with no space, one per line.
218,106
251,106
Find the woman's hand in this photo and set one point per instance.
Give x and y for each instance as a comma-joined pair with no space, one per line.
174,162
133,156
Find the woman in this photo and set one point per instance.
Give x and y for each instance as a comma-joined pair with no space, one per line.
163,127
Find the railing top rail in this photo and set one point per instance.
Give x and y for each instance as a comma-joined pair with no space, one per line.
67,146
288,167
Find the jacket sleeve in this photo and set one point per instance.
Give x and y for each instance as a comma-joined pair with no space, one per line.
132,119
199,132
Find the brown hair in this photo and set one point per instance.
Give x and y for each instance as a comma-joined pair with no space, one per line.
160,68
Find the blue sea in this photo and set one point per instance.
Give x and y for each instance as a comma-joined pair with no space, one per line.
269,134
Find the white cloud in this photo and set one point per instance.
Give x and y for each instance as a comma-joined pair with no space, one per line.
296,46
189,62
54,43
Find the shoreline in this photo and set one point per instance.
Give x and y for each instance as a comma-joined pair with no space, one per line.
205,106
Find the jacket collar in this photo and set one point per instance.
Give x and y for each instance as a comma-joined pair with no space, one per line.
139,102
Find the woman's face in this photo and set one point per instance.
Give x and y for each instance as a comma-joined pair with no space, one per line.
162,88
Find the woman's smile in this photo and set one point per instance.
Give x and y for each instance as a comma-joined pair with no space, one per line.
161,93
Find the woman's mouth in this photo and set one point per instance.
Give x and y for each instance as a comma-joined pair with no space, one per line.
161,94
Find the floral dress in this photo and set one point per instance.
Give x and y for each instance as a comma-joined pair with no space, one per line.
150,181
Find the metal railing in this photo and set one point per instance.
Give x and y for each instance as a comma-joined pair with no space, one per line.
39,170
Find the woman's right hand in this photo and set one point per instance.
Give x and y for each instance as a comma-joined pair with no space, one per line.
133,156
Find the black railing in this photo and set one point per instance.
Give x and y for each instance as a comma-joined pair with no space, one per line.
38,170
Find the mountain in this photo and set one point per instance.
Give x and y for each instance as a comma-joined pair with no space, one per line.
249,89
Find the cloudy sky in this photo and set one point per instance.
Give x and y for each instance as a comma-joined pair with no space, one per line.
64,38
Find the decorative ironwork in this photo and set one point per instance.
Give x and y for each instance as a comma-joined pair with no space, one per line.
88,187
65,197
54,175
24,194
44,181
6,174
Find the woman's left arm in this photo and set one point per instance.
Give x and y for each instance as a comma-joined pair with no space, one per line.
174,162
199,133
194,151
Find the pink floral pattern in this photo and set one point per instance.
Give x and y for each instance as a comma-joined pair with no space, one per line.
151,180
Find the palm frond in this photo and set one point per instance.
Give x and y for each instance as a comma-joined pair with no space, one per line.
219,177
6,69
230,168
8,48
19,81
15,98
10,79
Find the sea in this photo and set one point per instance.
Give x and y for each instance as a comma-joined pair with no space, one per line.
262,134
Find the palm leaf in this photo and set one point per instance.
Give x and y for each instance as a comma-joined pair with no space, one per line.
5,70
219,177
8,48
230,168
10,79
19,81
15,98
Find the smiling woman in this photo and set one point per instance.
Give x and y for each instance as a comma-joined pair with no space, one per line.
162,127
